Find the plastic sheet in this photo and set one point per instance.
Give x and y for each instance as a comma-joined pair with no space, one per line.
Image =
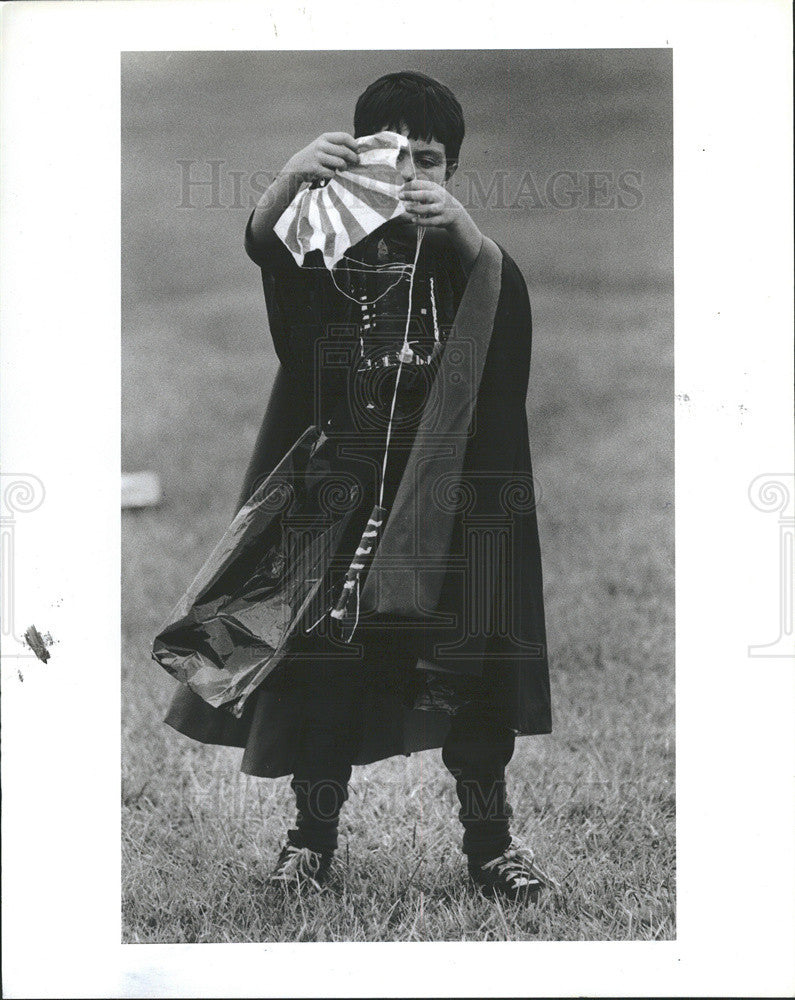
264,580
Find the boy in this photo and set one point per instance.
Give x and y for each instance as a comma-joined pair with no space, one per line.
452,653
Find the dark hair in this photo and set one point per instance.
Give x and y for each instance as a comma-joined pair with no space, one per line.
428,108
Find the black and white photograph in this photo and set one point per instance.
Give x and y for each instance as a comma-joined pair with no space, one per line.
364,563
397,500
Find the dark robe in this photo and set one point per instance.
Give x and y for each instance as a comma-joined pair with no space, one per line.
456,586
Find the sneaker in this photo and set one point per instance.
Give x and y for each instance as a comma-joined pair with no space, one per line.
299,867
513,874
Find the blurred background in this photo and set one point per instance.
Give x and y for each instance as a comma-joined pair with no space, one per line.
567,162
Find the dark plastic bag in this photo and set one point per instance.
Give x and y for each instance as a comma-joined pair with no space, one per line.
261,583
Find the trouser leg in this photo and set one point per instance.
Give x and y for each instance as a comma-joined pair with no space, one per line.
319,801
476,752
331,729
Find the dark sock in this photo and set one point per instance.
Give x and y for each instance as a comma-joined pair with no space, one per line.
476,753
332,725
318,802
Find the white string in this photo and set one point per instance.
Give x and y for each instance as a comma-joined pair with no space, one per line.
402,270
405,347
365,268
405,350
433,310
320,619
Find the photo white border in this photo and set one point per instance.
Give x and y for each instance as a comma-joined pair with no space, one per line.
60,343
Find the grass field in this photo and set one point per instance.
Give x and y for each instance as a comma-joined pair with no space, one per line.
595,798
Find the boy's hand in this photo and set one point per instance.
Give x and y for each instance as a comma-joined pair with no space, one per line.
430,204
322,158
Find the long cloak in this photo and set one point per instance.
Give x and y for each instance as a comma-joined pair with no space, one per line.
457,580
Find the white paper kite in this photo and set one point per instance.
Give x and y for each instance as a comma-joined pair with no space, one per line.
353,204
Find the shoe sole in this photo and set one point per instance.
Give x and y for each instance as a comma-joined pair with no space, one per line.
529,894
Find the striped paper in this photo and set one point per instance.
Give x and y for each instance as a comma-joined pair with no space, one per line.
353,204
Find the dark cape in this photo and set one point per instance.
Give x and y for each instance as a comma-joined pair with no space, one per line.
456,582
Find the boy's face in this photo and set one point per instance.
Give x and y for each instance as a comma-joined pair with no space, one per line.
430,160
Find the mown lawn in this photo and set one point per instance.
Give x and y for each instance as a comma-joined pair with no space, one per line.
596,797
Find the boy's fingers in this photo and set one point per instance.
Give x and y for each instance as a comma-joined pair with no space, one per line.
347,154
428,220
425,213
343,152
341,139
334,162
418,197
